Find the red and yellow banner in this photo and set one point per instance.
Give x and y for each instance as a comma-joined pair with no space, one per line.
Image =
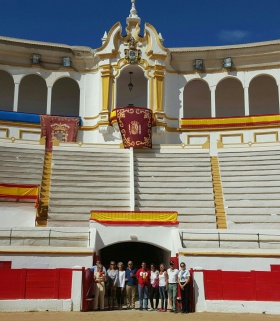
134,217
19,191
227,122
135,124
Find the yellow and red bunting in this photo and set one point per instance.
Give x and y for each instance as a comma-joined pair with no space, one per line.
19,191
227,122
134,217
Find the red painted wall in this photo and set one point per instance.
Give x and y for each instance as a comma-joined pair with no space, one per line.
35,284
5,264
275,267
245,286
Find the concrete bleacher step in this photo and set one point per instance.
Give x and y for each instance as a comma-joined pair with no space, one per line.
257,178
261,218
254,211
180,182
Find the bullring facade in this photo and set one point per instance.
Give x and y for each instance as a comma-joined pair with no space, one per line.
210,183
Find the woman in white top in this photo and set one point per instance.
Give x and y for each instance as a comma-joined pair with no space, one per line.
153,288
163,287
121,285
184,282
112,283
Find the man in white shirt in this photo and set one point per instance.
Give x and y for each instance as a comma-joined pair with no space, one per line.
172,274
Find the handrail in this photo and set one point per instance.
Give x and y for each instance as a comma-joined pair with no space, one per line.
86,235
220,240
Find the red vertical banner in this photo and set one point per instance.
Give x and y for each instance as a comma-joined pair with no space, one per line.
63,128
88,290
135,125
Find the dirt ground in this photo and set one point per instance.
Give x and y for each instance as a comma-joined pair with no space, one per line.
136,315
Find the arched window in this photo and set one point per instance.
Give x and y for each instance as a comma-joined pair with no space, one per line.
138,95
32,95
6,91
197,100
229,98
65,97
263,96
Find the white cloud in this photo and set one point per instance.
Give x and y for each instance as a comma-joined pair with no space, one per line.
233,36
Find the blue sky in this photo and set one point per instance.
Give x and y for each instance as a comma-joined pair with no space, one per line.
182,23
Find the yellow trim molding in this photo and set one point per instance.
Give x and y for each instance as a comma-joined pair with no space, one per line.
230,254
22,131
6,130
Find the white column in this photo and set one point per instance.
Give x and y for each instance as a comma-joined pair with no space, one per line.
77,284
246,101
213,102
15,107
132,190
199,293
49,101
279,98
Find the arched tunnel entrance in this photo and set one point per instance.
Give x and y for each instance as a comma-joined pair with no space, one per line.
135,251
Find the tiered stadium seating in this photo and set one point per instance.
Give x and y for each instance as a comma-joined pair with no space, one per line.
21,163
96,179
176,181
251,185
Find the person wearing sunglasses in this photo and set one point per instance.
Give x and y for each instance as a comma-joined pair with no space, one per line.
131,285
172,275
94,267
184,283
112,283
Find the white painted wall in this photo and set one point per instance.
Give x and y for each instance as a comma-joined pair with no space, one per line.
45,258
230,262
13,214
160,236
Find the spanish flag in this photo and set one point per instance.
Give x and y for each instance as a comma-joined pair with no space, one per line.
19,191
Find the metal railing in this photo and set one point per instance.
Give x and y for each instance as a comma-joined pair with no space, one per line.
257,237
46,234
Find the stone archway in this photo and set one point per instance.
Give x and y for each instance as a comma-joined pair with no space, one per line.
135,251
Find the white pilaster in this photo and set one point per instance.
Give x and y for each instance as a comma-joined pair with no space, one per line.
199,293
77,284
246,101
213,101
132,190
49,100
15,106
279,97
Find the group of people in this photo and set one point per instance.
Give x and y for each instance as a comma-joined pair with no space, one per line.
120,282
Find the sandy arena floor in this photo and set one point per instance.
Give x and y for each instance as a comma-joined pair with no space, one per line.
134,315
